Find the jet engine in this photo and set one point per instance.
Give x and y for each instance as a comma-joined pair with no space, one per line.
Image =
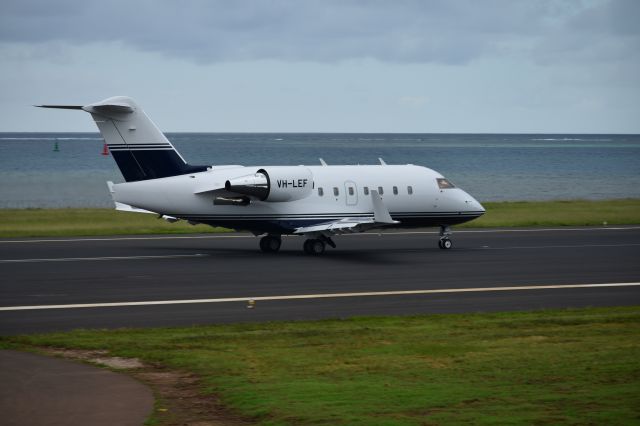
276,184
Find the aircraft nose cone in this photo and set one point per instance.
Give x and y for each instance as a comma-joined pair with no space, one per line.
471,204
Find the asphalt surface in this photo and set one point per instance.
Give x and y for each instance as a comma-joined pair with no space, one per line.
41,273
37,390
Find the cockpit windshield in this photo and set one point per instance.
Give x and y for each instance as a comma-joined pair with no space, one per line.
444,183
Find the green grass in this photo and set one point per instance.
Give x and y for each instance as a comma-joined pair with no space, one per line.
76,222
547,367
559,213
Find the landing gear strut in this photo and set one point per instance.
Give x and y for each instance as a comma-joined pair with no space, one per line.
270,243
444,242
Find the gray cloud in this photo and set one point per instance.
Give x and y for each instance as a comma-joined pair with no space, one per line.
606,33
435,31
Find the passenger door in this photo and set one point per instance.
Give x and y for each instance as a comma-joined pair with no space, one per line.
351,192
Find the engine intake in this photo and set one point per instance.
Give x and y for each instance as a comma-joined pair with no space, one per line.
277,184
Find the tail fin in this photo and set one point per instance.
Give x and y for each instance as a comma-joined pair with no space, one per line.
140,149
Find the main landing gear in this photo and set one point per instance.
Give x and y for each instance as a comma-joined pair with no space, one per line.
444,242
317,246
314,246
270,243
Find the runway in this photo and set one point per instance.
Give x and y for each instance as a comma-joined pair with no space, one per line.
62,284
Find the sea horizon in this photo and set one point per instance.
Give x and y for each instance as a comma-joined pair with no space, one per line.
490,166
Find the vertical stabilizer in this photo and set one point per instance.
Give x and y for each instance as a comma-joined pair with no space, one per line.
140,149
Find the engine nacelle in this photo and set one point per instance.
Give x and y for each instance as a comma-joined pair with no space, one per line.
275,184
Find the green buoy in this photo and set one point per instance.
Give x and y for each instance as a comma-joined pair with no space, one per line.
56,148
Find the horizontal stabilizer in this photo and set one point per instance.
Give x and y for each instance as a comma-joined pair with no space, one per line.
60,106
111,107
114,107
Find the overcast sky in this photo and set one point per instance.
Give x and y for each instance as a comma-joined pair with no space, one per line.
327,66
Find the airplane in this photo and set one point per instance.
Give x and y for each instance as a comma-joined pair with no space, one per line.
316,202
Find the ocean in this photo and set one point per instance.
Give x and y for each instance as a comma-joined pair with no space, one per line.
491,167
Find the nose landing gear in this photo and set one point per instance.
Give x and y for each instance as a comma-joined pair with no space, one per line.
444,242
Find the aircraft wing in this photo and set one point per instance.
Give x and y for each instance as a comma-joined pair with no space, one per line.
341,226
380,218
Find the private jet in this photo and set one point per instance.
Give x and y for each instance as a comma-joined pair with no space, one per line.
317,202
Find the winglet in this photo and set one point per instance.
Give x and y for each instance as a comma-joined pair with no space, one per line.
380,211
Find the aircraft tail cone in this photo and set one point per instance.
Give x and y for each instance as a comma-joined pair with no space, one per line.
105,149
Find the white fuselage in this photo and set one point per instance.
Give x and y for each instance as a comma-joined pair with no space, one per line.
410,193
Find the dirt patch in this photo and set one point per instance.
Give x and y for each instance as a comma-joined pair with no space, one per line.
119,363
179,400
182,402
83,355
98,357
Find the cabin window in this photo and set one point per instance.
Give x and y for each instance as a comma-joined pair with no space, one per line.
395,190
335,191
351,190
444,184
366,190
320,191
410,190
380,190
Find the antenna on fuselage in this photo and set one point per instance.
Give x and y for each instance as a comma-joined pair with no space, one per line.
324,163
382,163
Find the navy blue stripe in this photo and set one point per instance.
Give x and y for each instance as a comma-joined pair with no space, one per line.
141,149
333,215
138,165
323,218
138,144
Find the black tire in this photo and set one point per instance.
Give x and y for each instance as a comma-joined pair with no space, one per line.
274,244
264,244
440,244
307,246
446,244
270,244
317,247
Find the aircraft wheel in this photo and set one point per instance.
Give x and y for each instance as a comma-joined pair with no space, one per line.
270,244
445,244
317,247
314,247
306,246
